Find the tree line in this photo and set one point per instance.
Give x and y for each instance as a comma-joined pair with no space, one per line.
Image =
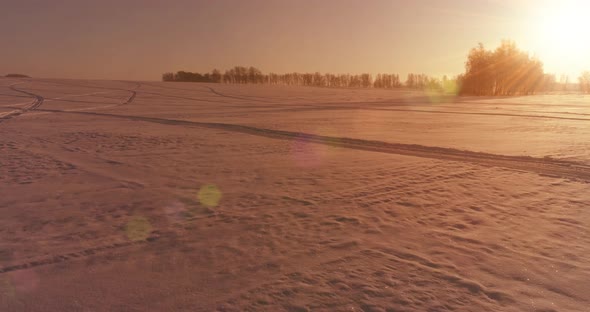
252,75
503,71
16,76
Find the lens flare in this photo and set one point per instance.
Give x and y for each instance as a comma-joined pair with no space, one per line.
209,195
308,154
138,228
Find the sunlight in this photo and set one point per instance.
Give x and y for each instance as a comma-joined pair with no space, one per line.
560,35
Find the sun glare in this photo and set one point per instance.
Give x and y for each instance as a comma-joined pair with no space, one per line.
561,39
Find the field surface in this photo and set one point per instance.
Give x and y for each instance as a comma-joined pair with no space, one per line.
150,196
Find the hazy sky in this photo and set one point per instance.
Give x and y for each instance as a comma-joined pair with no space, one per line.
141,39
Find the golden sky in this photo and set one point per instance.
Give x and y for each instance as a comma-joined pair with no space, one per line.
141,39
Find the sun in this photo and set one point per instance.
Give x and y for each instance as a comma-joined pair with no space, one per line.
561,32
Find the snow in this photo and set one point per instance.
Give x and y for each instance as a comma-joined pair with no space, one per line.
150,196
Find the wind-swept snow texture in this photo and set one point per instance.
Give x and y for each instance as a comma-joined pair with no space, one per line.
149,196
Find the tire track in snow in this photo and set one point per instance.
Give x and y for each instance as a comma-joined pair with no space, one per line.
37,102
542,166
245,98
368,108
210,90
129,99
477,113
54,259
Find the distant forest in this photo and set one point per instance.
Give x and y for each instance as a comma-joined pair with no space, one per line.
16,76
503,71
252,75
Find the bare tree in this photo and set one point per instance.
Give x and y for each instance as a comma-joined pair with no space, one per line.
584,81
504,71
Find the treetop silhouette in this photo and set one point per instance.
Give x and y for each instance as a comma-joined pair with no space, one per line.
500,72
504,71
252,75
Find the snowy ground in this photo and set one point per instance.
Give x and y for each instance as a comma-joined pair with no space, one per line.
126,196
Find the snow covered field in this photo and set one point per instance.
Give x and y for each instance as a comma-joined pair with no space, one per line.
150,196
